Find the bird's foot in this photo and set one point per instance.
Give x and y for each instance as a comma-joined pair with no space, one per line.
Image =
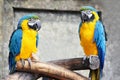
84,58
94,62
29,62
34,58
23,62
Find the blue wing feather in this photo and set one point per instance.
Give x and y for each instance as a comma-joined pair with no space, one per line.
37,39
99,38
14,48
79,29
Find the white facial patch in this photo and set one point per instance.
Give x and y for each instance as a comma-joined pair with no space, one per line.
88,13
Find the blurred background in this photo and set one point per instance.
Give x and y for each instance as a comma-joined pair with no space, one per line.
59,37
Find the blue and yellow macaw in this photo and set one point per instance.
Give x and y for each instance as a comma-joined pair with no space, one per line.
24,40
92,38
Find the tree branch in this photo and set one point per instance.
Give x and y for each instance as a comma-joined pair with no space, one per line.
47,70
73,63
55,69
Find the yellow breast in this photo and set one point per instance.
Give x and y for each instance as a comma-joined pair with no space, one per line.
87,35
28,43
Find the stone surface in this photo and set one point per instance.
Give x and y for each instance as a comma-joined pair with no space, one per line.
1,65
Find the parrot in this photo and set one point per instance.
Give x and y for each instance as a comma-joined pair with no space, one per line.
23,42
93,38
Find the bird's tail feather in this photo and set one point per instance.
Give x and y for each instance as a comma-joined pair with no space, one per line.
95,74
12,63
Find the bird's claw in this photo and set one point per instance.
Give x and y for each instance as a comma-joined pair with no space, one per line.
34,58
29,62
84,58
23,63
94,62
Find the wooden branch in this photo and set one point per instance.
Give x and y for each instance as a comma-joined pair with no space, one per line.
79,63
22,76
47,70
73,63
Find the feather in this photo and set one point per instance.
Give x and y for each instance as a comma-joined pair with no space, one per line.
99,39
14,48
23,42
26,17
93,40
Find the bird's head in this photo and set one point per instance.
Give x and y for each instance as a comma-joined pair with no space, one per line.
30,21
88,13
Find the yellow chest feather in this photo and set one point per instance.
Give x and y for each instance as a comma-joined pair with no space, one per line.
87,35
28,43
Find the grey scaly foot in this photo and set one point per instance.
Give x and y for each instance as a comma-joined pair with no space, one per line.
84,58
23,62
29,62
94,62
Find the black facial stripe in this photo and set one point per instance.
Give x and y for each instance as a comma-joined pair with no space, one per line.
34,24
86,16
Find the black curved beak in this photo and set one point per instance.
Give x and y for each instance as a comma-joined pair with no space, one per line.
85,15
35,24
38,25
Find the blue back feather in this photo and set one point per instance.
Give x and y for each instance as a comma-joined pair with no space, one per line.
14,48
99,38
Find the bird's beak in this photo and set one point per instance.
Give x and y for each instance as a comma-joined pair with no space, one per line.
85,15
38,27
35,24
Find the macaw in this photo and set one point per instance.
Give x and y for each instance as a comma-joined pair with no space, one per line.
92,38
24,41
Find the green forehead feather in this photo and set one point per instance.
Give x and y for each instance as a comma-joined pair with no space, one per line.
26,17
35,17
88,8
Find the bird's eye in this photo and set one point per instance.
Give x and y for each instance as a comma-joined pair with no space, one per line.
34,24
88,12
31,19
